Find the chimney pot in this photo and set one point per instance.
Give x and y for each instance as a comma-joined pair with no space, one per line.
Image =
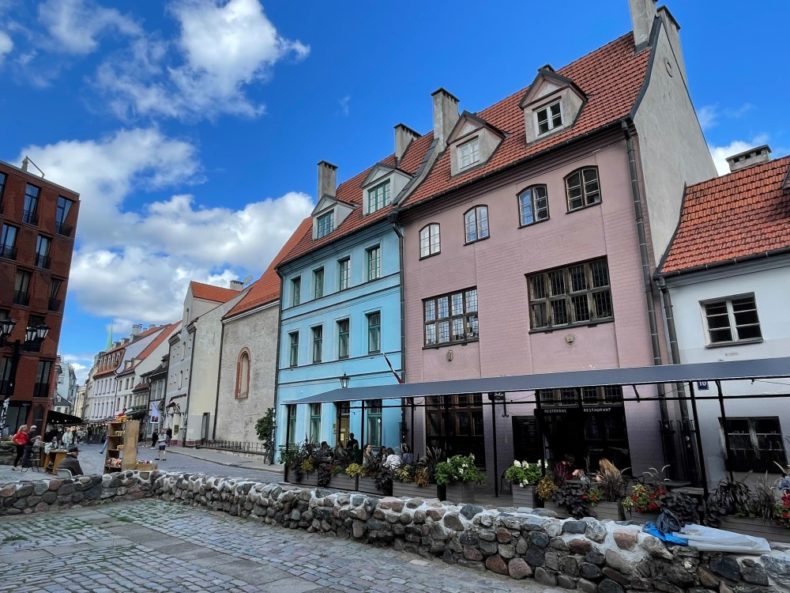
327,180
445,114
753,156
137,329
643,13
236,285
404,136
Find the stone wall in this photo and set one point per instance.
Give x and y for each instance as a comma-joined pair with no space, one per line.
586,555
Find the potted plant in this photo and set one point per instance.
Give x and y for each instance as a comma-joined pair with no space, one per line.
610,482
367,479
577,498
523,476
645,501
550,484
340,461
458,474
761,511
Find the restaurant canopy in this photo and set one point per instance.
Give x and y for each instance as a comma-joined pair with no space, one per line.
766,368
60,419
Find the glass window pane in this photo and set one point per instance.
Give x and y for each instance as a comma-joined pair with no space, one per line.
525,205
430,310
444,331
444,307
471,300
482,221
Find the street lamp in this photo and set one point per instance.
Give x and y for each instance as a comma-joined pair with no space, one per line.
34,336
344,381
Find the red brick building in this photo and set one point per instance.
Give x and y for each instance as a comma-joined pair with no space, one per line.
38,221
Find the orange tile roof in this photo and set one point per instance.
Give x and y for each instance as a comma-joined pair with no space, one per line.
350,192
166,332
267,288
611,78
737,216
209,292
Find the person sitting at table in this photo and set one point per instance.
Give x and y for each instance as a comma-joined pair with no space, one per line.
70,462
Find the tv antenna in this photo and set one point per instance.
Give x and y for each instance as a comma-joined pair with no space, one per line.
28,161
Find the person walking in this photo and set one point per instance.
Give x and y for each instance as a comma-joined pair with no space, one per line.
161,449
28,449
154,438
20,439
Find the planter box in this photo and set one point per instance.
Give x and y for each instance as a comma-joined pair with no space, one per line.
523,497
643,517
550,505
308,480
412,490
609,511
368,485
343,482
460,492
756,528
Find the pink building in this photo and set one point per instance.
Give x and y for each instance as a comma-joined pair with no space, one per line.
531,244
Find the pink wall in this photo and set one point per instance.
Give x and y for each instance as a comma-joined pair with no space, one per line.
498,265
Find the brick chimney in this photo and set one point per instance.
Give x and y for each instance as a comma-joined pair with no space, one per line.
236,285
327,180
445,114
643,13
753,156
404,136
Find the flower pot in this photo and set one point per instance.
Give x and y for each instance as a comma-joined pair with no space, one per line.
643,517
342,481
609,511
756,528
367,484
460,492
550,505
412,490
523,496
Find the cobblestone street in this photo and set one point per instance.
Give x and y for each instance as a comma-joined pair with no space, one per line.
153,546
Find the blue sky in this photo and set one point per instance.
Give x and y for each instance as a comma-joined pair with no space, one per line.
192,128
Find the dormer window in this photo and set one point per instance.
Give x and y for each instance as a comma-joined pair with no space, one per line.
379,196
549,117
325,224
469,154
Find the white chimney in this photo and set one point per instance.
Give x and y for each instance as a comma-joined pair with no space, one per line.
236,285
643,13
137,329
445,114
327,180
753,156
404,136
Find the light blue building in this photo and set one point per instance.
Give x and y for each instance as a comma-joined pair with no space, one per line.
341,305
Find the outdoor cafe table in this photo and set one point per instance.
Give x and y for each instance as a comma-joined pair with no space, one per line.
50,461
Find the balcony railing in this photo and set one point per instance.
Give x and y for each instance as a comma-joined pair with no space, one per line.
43,261
21,298
30,217
54,304
64,229
8,251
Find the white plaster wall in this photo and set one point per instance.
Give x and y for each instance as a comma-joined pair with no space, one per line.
258,333
770,288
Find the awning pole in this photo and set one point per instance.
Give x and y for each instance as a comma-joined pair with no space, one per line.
493,434
288,409
539,423
362,423
727,447
411,429
698,434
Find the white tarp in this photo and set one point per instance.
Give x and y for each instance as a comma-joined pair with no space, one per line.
708,539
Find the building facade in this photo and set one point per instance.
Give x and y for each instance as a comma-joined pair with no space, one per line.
37,226
724,280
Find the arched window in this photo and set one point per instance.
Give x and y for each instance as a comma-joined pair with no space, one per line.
243,375
582,188
533,205
430,240
476,224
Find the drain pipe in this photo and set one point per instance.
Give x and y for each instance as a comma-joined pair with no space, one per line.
645,261
399,232
674,350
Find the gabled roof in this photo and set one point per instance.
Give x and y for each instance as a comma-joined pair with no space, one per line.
267,288
611,76
730,218
208,292
350,192
166,332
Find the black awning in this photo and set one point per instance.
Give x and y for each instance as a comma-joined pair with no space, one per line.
60,419
764,368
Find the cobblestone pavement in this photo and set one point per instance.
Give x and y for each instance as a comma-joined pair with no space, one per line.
154,546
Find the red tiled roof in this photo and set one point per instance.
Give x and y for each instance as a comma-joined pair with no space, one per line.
163,335
350,192
733,217
611,77
267,288
208,292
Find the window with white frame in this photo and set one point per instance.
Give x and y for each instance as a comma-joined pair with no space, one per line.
344,273
549,117
378,197
318,342
296,291
468,154
342,338
325,223
318,283
476,224
373,416
574,295
533,205
430,240
293,347
582,188
373,255
374,332
451,318
732,320
315,423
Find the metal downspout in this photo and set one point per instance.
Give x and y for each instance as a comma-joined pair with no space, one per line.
189,385
674,350
396,229
219,376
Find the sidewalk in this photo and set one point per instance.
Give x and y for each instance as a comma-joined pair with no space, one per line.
225,458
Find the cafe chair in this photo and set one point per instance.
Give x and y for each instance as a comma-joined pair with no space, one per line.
65,473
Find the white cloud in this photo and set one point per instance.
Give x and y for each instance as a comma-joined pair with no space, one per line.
708,116
82,365
6,45
720,153
222,49
135,265
74,25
